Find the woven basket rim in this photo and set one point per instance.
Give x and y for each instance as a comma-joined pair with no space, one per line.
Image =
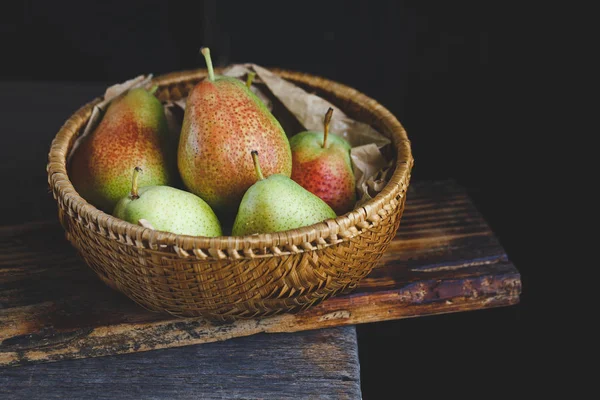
327,232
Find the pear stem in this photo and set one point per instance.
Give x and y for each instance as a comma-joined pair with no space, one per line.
250,79
134,184
326,126
259,173
206,53
153,89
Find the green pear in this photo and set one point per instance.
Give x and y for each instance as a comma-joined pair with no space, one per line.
321,164
168,209
133,132
276,204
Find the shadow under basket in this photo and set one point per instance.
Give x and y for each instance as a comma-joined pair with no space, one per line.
228,277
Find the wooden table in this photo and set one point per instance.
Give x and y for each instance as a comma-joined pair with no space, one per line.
455,264
321,363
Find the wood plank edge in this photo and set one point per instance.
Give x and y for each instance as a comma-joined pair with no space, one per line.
115,340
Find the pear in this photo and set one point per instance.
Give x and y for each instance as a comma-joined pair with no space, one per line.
223,122
133,132
277,203
168,209
321,164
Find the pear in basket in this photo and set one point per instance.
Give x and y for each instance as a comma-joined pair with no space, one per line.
167,209
223,122
321,164
133,132
277,203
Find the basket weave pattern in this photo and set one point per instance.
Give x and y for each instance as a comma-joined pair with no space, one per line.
235,277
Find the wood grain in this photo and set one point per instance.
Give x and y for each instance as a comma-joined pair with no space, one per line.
304,365
444,259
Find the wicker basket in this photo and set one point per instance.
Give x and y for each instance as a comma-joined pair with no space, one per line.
226,278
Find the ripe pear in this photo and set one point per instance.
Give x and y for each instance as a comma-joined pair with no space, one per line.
133,132
277,203
168,209
321,164
223,122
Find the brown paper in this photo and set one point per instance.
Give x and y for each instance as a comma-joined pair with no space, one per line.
369,171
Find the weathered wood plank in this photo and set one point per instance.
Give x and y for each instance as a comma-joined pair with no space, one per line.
52,307
316,364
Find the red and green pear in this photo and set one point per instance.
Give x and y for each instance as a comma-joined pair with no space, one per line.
223,122
133,132
321,164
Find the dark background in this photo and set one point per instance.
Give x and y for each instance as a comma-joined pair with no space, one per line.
445,69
